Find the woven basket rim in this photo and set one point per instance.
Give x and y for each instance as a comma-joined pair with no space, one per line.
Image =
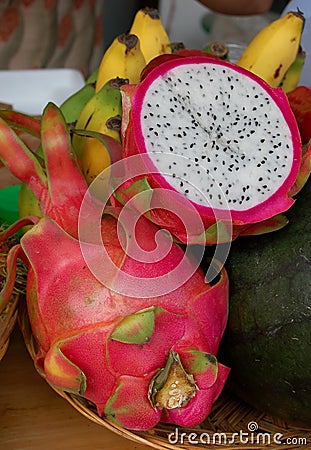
8,318
228,417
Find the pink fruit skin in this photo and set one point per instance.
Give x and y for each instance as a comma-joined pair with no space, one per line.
134,144
73,315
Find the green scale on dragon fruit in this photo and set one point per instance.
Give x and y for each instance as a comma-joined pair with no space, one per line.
217,136
138,358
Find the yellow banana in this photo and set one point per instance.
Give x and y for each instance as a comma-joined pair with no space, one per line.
292,76
94,159
149,29
123,58
98,154
101,114
274,49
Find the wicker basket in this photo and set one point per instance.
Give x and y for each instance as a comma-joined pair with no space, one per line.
8,317
228,419
9,310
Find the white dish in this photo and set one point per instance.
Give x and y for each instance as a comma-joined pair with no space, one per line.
29,91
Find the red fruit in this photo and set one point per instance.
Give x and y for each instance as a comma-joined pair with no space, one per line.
300,102
122,316
217,143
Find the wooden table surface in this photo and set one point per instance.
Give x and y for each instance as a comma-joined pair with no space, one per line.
34,417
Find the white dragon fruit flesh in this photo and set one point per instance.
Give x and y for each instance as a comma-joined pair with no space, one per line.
216,135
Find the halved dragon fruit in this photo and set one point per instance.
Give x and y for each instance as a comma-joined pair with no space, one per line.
139,358
218,136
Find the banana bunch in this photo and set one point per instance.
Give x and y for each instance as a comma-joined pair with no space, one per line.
149,29
73,105
96,109
130,52
101,114
275,48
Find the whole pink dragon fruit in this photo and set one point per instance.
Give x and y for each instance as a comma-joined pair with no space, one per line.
218,140
138,358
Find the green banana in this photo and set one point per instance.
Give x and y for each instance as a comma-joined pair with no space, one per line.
92,77
73,105
102,113
292,76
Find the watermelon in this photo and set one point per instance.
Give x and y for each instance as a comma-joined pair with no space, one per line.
267,342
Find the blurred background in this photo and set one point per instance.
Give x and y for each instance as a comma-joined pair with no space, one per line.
188,21
75,33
